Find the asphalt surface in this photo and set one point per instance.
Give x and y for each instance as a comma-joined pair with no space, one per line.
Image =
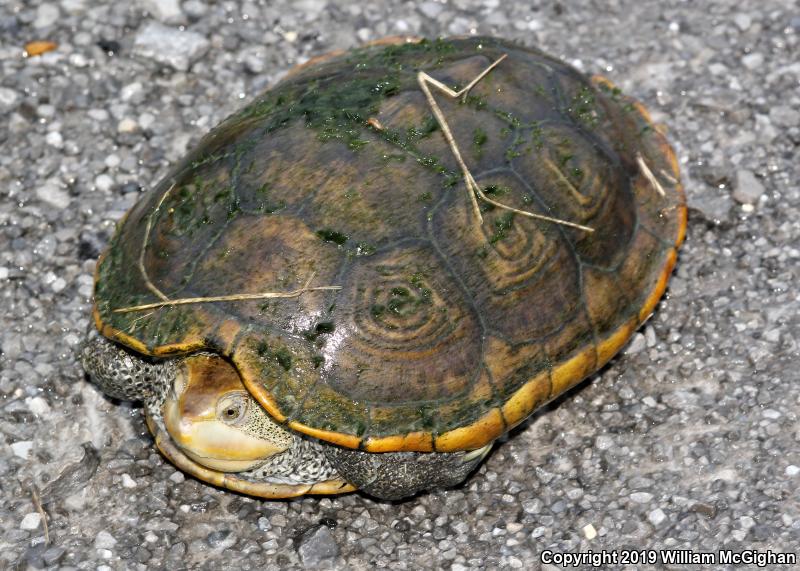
689,440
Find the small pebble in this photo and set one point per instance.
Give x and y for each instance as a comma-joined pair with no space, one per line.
38,406
538,532
104,540
54,139
53,555
8,97
221,539
195,8
47,14
163,10
784,116
53,195
748,188
431,9
103,182
31,521
636,345
127,125
657,517
532,506
743,21
178,49
604,442
746,522
641,497
317,545
131,90
753,61
22,449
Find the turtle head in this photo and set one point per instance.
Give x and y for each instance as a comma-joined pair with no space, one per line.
212,418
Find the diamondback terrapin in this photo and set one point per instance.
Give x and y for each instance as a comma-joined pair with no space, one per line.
384,263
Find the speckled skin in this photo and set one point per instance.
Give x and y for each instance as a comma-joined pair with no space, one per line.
122,374
445,332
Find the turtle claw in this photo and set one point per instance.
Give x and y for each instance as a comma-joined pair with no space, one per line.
480,453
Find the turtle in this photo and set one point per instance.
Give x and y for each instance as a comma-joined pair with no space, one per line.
382,264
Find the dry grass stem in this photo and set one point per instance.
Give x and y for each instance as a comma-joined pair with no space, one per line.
37,503
167,302
233,297
150,285
473,190
648,174
671,179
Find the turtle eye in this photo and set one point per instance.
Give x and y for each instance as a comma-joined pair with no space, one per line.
232,408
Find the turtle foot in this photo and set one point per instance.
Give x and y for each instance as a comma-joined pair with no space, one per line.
397,475
122,374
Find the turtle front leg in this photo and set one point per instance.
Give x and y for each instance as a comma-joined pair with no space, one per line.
123,375
397,475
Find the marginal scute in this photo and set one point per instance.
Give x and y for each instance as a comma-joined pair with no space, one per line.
326,409
660,286
456,413
514,365
641,271
419,441
446,331
609,346
606,299
470,437
574,369
527,398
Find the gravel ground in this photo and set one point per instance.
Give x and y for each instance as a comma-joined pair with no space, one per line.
689,440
